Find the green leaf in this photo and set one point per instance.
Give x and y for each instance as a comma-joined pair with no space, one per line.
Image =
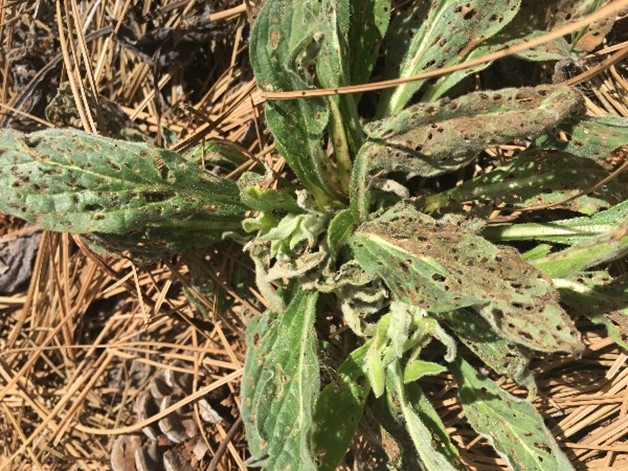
129,193
433,454
566,231
430,139
556,50
369,23
284,43
255,194
375,370
434,35
339,230
339,409
441,266
332,71
502,356
280,386
611,245
513,426
417,369
538,177
591,137
602,299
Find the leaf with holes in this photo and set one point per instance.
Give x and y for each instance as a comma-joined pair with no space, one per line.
437,34
280,386
71,181
369,23
593,137
513,426
601,298
442,266
502,356
284,44
430,139
537,177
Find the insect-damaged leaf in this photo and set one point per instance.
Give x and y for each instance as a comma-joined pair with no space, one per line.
71,181
431,139
284,45
339,409
593,137
442,266
280,386
502,356
537,177
437,34
513,426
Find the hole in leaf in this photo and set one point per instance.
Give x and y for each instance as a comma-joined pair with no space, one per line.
93,207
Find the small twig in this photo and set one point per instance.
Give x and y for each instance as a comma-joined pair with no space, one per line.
213,464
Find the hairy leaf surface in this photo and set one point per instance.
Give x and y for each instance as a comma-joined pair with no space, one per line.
284,43
611,245
589,136
513,426
280,386
539,177
441,266
339,409
434,35
601,298
71,181
566,231
502,356
430,139
424,426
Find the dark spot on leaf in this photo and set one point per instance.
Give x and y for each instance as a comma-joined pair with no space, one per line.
93,207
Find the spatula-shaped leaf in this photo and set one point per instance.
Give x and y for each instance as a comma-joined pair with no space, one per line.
284,45
442,266
339,409
513,426
430,139
280,386
538,177
71,181
437,33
